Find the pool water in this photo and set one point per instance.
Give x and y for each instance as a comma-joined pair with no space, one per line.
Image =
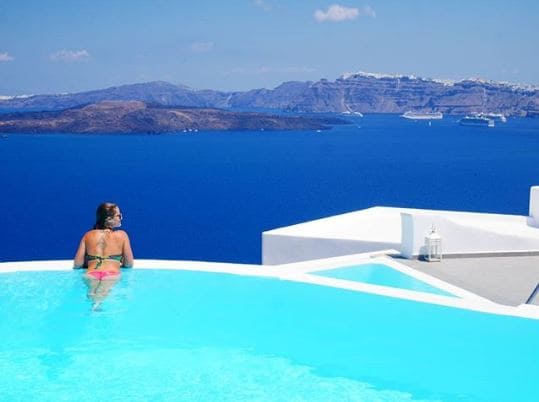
380,274
166,335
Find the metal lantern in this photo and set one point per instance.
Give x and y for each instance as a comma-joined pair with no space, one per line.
433,246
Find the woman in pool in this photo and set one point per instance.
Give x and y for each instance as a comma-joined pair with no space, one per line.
104,250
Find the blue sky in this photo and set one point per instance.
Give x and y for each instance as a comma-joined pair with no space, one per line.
51,46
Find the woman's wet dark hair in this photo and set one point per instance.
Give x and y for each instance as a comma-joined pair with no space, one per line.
104,214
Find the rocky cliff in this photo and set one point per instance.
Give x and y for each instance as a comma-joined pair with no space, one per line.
370,93
360,92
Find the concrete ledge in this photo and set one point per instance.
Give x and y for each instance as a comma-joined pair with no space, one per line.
483,255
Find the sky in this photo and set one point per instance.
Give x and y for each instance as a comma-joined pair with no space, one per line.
51,46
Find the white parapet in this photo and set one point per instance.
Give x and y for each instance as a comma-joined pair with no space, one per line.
534,205
466,233
357,232
403,229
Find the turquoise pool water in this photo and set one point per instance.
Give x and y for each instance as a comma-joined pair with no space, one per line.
380,274
181,336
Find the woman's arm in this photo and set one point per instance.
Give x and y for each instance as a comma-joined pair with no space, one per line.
127,253
81,253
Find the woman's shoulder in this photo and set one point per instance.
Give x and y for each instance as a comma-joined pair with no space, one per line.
90,233
121,233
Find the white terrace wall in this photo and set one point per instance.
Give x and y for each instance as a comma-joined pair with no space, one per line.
458,238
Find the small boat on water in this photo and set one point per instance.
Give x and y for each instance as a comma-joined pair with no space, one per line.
349,112
477,121
423,115
494,116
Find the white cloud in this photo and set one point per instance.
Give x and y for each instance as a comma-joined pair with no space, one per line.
202,47
70,55
6,57
264,5
270,70
338,13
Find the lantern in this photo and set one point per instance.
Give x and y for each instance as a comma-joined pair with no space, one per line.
433,246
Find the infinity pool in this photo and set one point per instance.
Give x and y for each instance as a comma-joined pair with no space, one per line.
166,335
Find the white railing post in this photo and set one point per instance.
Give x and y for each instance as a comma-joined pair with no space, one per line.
534,204
407,235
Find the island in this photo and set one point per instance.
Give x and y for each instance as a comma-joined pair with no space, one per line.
140,117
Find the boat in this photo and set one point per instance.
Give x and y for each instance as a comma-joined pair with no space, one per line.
423,115
477,121
494,116
349,112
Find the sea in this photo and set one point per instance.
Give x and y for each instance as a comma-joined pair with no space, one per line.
210,195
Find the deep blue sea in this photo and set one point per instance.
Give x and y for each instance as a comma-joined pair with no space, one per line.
210,195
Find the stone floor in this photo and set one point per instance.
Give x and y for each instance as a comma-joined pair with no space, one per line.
504,280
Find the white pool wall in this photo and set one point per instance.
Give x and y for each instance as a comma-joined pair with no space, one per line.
305,272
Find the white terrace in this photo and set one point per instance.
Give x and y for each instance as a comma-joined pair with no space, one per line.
464,234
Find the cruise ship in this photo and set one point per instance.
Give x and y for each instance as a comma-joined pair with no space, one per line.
476,120
423,116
